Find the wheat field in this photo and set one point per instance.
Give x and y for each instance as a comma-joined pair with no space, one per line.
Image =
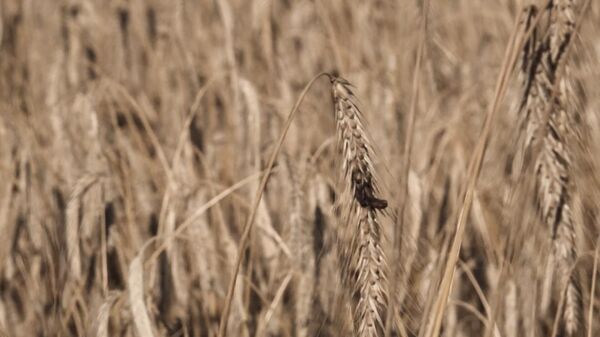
409,168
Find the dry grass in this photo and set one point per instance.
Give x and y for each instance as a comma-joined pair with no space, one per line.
152,182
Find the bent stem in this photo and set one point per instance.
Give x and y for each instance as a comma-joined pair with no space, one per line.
257,197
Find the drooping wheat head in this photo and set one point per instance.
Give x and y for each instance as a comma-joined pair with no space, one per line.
365,267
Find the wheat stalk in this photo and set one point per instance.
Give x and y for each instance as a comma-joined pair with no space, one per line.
366,268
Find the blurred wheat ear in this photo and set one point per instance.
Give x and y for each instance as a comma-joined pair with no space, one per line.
365,268
548,108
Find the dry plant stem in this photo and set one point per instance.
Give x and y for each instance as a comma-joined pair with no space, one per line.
490,322
509,62
592,292
477,288
104,256
469,307
262,325
408,142
250,221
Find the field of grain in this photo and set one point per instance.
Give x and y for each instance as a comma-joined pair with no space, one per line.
299,168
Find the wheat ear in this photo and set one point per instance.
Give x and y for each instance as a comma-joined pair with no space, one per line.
549,112
366,271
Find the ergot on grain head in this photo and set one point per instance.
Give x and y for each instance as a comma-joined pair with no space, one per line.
357,161
364,258
363,191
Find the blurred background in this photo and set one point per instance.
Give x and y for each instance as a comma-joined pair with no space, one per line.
133,133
